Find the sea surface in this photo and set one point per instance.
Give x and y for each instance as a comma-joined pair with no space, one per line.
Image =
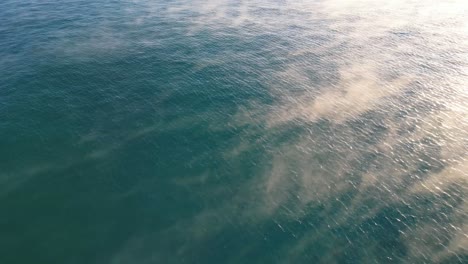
203,131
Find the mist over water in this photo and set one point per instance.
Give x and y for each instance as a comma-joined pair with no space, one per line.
233,131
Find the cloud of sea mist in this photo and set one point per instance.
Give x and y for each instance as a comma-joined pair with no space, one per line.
376,151
413,147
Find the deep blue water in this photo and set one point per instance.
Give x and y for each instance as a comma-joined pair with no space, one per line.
233,132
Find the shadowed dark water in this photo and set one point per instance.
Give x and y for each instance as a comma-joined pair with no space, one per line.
233,132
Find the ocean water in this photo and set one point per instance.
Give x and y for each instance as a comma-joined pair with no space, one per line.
319,131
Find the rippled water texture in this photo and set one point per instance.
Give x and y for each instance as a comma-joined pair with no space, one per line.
319,131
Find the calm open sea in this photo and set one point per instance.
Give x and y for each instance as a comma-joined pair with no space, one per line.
227,131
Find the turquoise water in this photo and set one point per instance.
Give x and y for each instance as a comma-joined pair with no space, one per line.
233,132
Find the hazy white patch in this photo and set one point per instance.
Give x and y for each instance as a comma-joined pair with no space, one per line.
238,150
192,180
243,14
10,180
89,137
439,241
358,91
184,235
277,186
150,248
437,183
101,153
